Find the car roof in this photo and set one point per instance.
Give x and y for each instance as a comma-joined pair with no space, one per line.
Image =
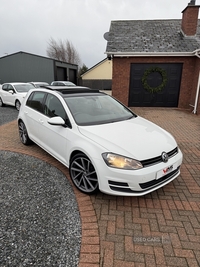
62,82
15,83
39,82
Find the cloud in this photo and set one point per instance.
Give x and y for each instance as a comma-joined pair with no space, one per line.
28,25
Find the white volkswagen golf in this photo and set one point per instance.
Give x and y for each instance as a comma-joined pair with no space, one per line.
103,143
13,94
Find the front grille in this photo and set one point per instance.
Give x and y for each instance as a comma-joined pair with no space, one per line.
156,160
154,182
124,187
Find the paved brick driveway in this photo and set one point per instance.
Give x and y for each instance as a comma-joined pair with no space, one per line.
159,229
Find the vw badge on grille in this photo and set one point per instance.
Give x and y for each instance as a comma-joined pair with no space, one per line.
164,157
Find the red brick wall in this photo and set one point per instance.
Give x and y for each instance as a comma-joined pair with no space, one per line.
190,20
189,79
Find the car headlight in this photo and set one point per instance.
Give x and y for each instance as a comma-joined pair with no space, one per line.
121,162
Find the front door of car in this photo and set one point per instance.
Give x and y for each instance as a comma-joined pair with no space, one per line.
54,138
33,113
5,94
10,96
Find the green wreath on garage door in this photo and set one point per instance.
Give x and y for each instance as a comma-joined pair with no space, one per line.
157,88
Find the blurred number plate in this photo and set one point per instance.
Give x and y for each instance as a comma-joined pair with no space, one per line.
165,171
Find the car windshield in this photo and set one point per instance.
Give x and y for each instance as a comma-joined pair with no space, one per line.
69,84
37,85
99,109
22,88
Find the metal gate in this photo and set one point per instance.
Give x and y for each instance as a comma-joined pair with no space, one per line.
154,85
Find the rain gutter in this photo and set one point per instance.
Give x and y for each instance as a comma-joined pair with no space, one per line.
153,54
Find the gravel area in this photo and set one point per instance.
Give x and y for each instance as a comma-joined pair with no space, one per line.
7,114
39,218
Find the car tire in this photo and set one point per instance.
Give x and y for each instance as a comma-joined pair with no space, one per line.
23,134
1,102
17,105
83,174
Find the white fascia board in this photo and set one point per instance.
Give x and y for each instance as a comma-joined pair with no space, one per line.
151,54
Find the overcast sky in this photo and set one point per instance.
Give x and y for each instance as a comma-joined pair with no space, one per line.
27,25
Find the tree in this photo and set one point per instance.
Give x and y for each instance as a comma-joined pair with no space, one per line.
63,51
83,69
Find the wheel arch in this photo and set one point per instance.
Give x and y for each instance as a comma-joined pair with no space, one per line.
17,100
28,141
89,150
19,120
2,101
74,153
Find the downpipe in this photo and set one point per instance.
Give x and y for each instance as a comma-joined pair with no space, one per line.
197,96
197,54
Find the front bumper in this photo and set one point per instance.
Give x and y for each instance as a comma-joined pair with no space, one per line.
138,182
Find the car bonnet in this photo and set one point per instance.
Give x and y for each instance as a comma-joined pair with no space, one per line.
137,138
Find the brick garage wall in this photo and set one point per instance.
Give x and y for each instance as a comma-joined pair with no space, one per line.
189,80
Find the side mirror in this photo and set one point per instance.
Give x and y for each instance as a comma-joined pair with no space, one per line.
11,92
57,121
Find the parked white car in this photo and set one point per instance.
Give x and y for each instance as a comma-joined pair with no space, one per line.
63,83
105,145
38,84
13,93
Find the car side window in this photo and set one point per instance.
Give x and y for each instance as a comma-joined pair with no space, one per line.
5,87
35,101
10,87
53,107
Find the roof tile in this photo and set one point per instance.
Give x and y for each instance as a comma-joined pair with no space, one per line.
139,36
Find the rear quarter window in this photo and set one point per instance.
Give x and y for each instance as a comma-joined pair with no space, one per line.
35,101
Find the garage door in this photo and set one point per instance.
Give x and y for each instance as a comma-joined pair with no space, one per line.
72,76
61,74
155,85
